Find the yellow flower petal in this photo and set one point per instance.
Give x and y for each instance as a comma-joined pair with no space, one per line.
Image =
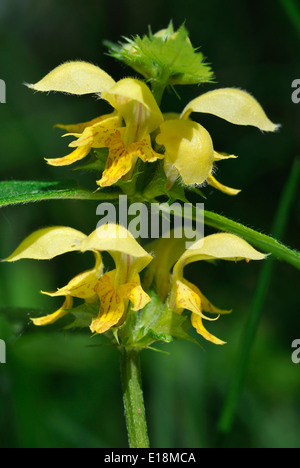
118,163
82,286
198,325
143,150
80,127
135,102
120,160
206,305
99,136
75,78
108,120
187,298
185,295
77,155
48,243
223,156
211,180
234,105
189,148
223,246
114,300
112,305
135,293
49,319
118,241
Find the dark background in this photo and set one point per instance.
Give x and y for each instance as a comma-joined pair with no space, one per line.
55,390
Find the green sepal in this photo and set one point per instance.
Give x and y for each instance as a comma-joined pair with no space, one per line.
168,58
158,187
156,322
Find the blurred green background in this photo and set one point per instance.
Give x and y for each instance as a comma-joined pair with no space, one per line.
56,390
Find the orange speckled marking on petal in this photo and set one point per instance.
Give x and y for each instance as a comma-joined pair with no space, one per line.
119,161
187,299
82,286
118,164
112,306
135,293
143,150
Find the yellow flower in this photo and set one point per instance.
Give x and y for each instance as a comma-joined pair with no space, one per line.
184,295
133,103
114,289
189,150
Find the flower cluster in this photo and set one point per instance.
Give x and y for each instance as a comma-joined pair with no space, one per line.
114,290
137,129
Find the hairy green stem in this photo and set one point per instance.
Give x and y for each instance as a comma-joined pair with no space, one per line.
133,398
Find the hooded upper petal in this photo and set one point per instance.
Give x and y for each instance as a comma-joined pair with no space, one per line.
75,78
134,101
120,243
223,246
234,105
48,243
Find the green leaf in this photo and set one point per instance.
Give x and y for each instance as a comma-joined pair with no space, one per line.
16,192
168,58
